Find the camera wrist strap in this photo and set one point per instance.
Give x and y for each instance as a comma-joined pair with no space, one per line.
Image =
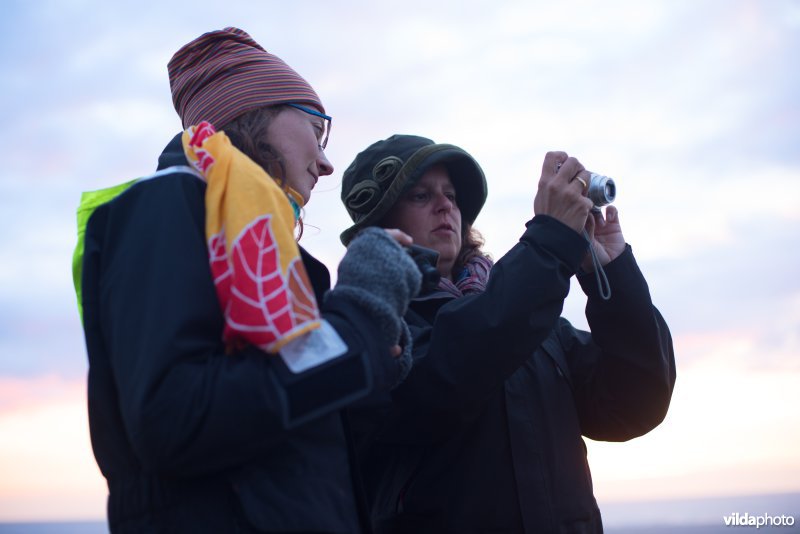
599,273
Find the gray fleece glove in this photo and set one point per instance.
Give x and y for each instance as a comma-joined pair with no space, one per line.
379,276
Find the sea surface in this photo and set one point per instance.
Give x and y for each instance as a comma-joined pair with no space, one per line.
99,527
681,516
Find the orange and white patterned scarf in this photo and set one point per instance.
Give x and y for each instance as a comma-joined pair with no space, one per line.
260,279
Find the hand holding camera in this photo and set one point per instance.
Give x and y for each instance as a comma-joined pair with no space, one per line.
567,191
574,196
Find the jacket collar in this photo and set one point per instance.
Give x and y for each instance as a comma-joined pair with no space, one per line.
173,154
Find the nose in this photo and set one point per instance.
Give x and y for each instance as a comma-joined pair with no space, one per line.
323,165
443,203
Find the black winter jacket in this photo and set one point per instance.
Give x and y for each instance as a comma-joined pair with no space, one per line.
485,433
191,439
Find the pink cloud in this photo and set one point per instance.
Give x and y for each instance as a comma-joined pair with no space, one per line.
16,393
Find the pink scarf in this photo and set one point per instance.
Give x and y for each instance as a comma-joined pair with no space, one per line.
472,279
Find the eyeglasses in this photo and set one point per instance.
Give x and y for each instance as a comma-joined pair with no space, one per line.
326,123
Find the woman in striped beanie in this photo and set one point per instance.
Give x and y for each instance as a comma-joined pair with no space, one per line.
219,358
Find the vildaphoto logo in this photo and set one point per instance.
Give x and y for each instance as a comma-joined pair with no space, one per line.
765,520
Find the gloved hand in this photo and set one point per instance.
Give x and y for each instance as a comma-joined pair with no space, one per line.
379,276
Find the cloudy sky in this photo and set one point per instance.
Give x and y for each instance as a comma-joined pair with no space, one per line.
691,106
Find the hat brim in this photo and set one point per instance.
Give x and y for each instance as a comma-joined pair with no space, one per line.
465,173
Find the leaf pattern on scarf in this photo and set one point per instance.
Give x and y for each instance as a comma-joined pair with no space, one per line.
220,269
262,305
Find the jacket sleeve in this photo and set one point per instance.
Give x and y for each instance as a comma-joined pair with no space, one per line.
153,321
623,373
478,341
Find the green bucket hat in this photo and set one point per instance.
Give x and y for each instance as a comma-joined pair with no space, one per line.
386,169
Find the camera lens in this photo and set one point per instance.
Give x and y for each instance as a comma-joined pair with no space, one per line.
611,190
602,190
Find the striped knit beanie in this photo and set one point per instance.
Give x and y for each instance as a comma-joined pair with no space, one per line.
223,74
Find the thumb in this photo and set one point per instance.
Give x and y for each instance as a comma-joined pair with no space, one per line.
612,215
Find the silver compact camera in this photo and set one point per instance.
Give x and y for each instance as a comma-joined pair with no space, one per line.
601,190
